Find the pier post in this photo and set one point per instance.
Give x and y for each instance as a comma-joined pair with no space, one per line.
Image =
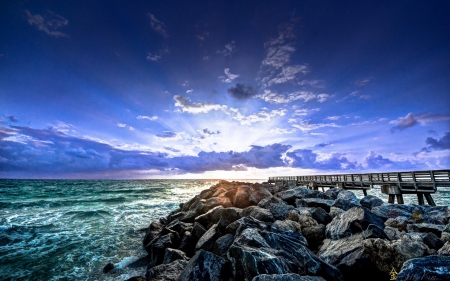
393,191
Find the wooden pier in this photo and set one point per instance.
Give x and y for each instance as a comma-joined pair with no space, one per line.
395,184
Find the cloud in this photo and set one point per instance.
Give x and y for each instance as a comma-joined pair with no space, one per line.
281,131
158,55
189,91
241,91
171,149
157,25
142,117
50,24
229,76
195,108
363,81
276,98
313,83
411,120
306,125
277,57
305,158
122,125
324,144
260,116
285,31
168,135
229,49
208,132
12,118
437,144
334,118
303,111
287,73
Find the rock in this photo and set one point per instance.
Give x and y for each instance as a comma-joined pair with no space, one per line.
353,221
257,213
156,248
288,225
223,244
241,198
205,266
426,268
371,201
258,194
198,230
216,201
152,232
173,255
333,192
445,250
321,216
392,233
208,239
303,218
270,200
335,211
344,204
392,254
289,196
387,211
318,195
108,268
270,250
141,262
136,278
280,211
445,236
426,227
243,223
166,272
347,255
178,227
314,235
314,202
399,223
188,243
286,277
432,241
227,215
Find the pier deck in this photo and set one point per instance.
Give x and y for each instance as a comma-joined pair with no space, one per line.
422,183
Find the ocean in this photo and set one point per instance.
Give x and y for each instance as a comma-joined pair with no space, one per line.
70,229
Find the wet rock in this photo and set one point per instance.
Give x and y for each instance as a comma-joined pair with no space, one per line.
392,233
286,277
318,195
426,227
392,254
243,223
241,198
166,272
216,201
314,235
208,239
280,211
445,250
432,241
205,266
152,232
177,227
257,213
291,195
353,221
156,248
303,218
426,268
173,255
321,216
315,202
393,211
222,245
227,215
141,262
371,201
108,268
347,255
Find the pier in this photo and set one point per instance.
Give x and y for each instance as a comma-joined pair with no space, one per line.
395,184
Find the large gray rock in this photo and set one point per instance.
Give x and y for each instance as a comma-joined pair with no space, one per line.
426,268
152,232
315,202
426,227
432,241
344,204
188,243
392,254
353,221
347,255
157,247
216,201
418,213
166,272
171,255
241,197
291,195
333,192
205,266
227,215
286,277
321,216
288,225
399,223
207,241
270,200
258,213
280,211
371,201
445,250
314,235
304,218
258,193
222,245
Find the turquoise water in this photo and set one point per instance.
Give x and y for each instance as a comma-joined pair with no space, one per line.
70,229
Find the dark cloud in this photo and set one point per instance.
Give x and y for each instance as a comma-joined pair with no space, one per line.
171,149
437,144
12,118
404,122
305,158
376,161
167,135
324,144
208,132
241,91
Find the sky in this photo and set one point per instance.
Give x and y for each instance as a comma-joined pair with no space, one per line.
222,89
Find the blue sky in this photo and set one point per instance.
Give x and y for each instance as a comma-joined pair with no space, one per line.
222,89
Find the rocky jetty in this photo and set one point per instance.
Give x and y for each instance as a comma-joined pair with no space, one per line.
241,231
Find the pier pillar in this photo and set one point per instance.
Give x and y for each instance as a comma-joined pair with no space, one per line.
393,191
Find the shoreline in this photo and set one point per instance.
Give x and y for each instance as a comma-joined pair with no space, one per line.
244,231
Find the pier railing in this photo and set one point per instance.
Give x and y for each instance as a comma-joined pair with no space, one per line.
422,183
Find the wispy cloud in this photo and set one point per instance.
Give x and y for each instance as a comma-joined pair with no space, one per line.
313,83
229,77
123,125
157,25
158,55
282,131
143,117
287,74
229,49
168,135
303,111
208,132
307,125
50,23
276,98
241,91
277,57
411,120
261,116
363,81
189,91
186,105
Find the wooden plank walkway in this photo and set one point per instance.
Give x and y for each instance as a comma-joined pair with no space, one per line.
395,184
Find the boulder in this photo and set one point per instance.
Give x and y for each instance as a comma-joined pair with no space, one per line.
321,216
207,241
270,200
371,201
304,218
286,277
257,213
399,223
280,211
392,211
291,195
198,230
205,266
333,192
445,250
393,233
216,201
426,227
353,221
318,195
166,272
432,241
152,232
243,223
388,255
347,255
222,245
315,202
288,225
344,204
335,211
188,243
426,268
156,248
213,216
241,197
314,235
171,255
258,193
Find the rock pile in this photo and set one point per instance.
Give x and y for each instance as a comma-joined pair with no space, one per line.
240,231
